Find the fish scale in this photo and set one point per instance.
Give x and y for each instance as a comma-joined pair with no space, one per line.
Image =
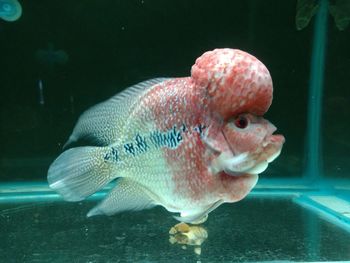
188,144
155,112
183,160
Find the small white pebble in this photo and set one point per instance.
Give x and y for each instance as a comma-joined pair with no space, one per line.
198,250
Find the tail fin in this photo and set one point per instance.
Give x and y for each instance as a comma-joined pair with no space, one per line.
80,172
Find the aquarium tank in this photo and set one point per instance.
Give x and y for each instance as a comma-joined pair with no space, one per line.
59,58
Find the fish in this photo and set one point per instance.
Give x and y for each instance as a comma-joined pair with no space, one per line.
188,144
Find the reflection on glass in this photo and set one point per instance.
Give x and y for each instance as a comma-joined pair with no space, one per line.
306,9
10,10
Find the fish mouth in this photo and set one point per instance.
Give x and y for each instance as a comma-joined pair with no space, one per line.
256,162
270,149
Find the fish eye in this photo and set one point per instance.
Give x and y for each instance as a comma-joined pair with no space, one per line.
241,122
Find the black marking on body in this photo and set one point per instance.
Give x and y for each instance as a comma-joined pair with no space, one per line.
137,146
141,143
170,139
112,155
200,128
129,148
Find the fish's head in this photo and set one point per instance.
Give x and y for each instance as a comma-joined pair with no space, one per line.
239,89
252,145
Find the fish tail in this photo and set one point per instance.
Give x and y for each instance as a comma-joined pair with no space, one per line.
79,172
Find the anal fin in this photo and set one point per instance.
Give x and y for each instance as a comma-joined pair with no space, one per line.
127,195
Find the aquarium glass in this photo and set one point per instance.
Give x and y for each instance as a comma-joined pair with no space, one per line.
61,57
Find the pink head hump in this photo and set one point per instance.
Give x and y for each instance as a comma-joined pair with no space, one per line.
236,82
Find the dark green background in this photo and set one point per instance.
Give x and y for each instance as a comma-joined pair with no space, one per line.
113,44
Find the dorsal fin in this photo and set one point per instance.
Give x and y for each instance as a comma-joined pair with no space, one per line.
101,124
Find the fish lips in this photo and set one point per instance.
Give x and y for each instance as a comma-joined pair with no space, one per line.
270,149
254,163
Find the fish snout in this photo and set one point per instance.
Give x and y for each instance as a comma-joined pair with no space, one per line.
277,139
272,148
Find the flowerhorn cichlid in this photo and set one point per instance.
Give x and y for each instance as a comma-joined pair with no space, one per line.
187,144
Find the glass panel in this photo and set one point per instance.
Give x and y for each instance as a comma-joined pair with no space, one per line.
336,105
61,57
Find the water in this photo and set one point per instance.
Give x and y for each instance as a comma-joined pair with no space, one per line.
299,211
